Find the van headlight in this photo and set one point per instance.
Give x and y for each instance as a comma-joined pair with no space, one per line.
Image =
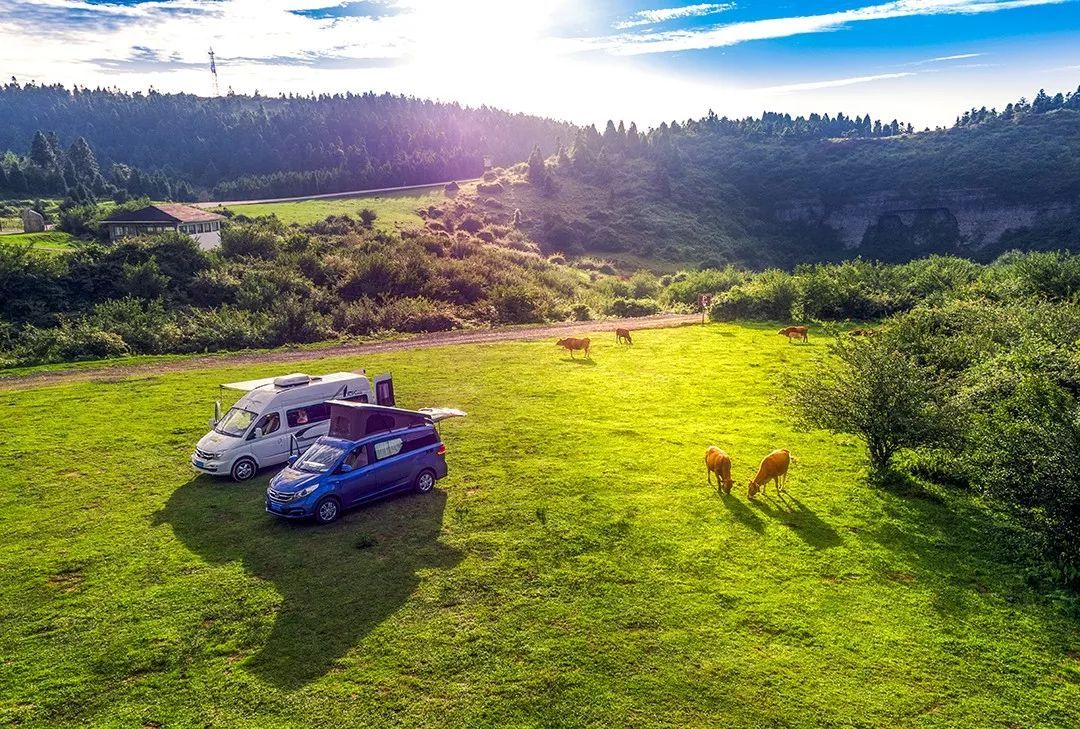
305,491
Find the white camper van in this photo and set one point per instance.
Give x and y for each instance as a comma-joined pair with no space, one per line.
278,417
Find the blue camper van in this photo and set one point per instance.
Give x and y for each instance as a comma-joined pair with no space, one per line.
371,451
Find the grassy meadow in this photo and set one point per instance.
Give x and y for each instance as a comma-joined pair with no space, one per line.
573,570
53,241
393,209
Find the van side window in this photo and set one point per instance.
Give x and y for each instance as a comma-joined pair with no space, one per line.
388,448
358,458
416,441
308,415
269,423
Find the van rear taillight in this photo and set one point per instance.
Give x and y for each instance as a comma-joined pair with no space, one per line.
442,450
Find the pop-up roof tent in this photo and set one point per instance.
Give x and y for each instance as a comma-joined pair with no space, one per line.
355,420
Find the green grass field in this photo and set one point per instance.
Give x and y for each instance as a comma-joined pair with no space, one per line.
573,570
54,241
392,209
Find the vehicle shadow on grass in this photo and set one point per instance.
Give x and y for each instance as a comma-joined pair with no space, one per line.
337,582
802,520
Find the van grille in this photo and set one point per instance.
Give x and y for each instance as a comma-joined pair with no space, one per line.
204,455
279,496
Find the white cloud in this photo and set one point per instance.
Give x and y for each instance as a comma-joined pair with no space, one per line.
742,32
832,83
663,15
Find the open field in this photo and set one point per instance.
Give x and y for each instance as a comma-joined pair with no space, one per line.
573,570
392,209
52,240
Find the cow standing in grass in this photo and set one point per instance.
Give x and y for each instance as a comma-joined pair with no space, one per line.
802,333
774,467
718,462
573,344
621,334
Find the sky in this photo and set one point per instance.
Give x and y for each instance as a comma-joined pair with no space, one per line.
587,61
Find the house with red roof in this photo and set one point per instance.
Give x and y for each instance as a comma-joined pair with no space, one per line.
202,225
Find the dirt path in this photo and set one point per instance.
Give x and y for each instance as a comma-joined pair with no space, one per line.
330,195
118,369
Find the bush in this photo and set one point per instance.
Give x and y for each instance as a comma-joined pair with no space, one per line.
250,241
876,392
417,315
493,188
767,296
634,307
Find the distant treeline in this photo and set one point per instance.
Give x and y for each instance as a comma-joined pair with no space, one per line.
179,146
254,146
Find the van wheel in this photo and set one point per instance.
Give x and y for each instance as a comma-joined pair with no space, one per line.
424,482
243,469
327,510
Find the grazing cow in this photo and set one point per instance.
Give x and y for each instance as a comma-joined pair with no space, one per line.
796,333
773,467
621,334
862,332
572,344
716,461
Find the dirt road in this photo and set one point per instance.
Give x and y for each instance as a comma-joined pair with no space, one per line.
329,195
118,369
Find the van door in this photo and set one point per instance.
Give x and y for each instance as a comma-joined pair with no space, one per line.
393,465
272,446
360,481
384,390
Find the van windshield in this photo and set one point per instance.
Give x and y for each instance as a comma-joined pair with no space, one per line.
319,458
235,423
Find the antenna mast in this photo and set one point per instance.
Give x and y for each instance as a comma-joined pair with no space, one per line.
213,72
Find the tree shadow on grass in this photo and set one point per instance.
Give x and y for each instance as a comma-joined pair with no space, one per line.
337,582
802,520
742,513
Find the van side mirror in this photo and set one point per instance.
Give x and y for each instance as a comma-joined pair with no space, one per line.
344,468
258,433
293,459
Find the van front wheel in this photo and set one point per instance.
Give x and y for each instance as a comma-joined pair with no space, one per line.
327,510
424,482
243,469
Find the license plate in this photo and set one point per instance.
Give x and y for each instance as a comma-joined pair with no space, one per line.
199,464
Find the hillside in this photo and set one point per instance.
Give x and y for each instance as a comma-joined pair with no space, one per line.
249,146
703,192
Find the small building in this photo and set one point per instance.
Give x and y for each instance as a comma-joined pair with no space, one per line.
202,225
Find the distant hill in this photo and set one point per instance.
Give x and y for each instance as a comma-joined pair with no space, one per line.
253,146
714,192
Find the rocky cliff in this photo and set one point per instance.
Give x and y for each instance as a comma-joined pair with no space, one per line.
959,221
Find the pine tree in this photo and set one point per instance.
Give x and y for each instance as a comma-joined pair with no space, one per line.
537,169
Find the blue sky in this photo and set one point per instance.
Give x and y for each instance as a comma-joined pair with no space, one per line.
922,61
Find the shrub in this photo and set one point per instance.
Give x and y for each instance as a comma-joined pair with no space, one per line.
471,223
451,187
250,241
634,307
493,188
875,392
769,295
581,312
518,304
417,315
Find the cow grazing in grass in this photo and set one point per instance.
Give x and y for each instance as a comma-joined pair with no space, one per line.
796,333
773,468
621,334
573,344
716,461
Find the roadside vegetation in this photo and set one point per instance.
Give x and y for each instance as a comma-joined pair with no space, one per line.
574,569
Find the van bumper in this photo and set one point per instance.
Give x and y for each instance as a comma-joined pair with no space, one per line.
210,468
287,511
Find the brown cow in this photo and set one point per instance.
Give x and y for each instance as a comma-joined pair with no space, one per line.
621,334
773,468
572,344
716,461
796,333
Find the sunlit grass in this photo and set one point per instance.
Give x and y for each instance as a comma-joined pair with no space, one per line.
574,569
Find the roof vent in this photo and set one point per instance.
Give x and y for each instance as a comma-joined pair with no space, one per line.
292,380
